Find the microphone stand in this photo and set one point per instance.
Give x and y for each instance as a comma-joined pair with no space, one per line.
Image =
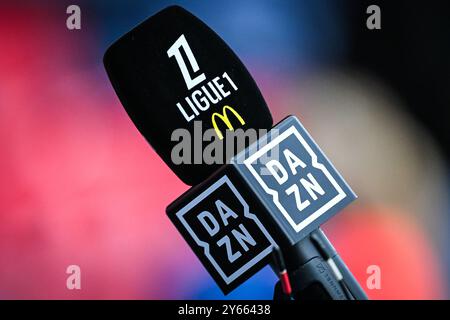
317,272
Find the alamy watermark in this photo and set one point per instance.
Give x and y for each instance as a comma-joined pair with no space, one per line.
73,21
200,146
374,279
373,21
73,281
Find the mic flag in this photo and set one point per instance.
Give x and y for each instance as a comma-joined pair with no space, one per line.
172,71
282,186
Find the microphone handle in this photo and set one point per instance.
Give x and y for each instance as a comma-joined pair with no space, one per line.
348,278
317,272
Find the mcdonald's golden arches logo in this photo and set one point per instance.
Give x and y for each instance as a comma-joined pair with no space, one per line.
225,119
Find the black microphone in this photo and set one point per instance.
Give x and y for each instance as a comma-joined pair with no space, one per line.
174,73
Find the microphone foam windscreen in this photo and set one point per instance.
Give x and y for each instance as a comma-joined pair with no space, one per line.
172,71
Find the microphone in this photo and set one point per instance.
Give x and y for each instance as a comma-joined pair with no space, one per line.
276,192
175,76
172,71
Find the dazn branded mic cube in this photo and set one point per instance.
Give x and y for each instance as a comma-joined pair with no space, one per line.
277,190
